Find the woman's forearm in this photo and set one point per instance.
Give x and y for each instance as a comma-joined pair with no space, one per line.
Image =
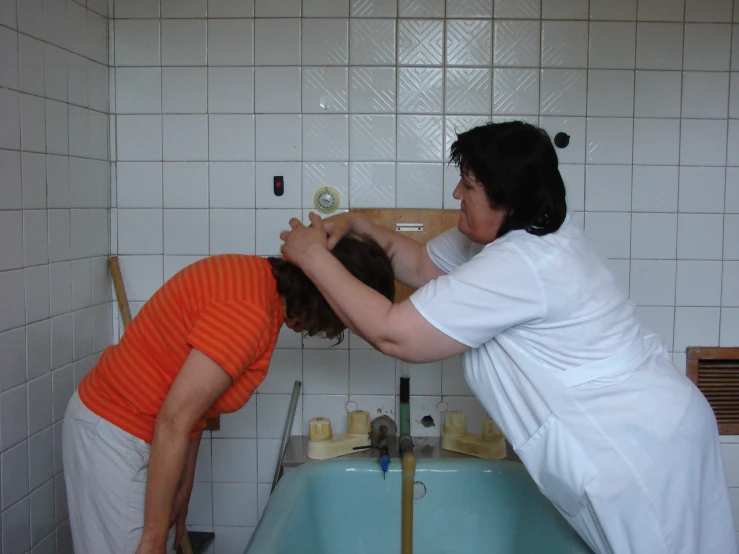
188,475
168,458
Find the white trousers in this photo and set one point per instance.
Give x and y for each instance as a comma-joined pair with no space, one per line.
105,470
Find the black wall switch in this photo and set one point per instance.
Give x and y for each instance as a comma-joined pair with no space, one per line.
279,185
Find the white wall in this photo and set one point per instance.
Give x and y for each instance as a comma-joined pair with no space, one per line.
55,309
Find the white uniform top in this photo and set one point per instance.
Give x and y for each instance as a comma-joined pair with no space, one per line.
612,433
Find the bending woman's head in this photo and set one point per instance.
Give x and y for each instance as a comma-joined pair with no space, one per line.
305,305
517,166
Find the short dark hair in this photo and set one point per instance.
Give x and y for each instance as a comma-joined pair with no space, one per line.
517,165
361,255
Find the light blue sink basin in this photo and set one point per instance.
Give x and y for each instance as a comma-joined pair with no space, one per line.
470,506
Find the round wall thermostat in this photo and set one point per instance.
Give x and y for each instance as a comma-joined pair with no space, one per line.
326,200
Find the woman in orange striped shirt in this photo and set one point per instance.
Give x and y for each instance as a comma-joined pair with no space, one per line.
199,348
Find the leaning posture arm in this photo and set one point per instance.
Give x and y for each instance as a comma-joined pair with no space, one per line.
200,382
397,330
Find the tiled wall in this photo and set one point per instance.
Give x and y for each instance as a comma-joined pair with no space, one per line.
215,98
55,309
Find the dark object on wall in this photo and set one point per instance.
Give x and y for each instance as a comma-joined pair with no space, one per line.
715,371
561,140
200,541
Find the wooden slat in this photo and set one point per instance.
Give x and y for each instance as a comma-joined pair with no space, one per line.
715,370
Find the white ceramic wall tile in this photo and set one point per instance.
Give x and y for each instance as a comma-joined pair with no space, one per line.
372,42
137,42
139,137
515,91
139,184
39,395
699,237
270,223
705,95
711,11
13,310
277,42
11,229
292,190
326,372
136,9
31,65
573,176
184,42
185,185
371,372
41,459
420,42
515,9
57,128
325,174
703,142
325,137
325,41
421,8
326,8
372,90
277,89
729,290
231,185
184,8
608,188
230,8
60,288
138,90
278,137
420,90
469,42
419,185
231,89
11,191
234,460
732,190
325,89
268,8
563,92
610,11
271,415
37,293
10,129
732,154
658,94
564,44
707,47
469,9
659,320
610,93
702,189
517,43
575,128
661,10
330,406
230,42
468,91
16,527
285,368
452,377
231,137
729,327
35,237
655,189
185,137
372,137
200,511
610,232
13,358
656,141
698,283
33,124
186,232
731,231
14,474
420,138
610,140
241,424
696,327
612,45
652,282
143,275
734,96
184,90
653,236
372,185
659,46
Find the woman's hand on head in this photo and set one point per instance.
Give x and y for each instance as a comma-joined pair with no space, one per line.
300,241
337,226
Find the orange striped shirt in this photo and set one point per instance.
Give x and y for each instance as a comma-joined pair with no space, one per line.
225,306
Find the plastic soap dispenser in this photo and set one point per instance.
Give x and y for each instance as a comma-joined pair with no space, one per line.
454,436
323,444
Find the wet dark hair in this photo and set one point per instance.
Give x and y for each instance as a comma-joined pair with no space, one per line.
517,166
361,255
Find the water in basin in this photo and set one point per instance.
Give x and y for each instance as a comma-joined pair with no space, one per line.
470,506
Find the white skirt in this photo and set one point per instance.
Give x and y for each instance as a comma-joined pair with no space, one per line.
105,470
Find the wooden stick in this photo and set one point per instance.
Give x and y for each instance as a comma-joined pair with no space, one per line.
120,290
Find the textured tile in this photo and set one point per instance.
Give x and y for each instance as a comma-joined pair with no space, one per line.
325,137
517,43
372,185
325,8
420,42
420,90
705,95
469,8
372,90
372,137
469,42
563,92
564,44
421,8
325,89
372,42
325,174
420,138
468,91
516,91
325,41
458,124
517,9
374,8
420,185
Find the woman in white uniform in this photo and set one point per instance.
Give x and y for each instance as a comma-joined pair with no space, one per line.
620,441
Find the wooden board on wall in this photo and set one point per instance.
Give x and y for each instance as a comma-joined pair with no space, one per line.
434,223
